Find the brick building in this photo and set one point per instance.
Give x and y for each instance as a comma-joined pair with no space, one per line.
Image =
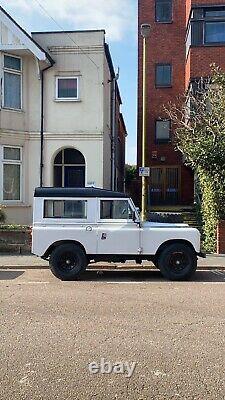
187,36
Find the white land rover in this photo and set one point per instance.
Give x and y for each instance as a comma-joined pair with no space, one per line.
73,227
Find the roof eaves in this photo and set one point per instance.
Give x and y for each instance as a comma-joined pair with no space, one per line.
65,31
28,36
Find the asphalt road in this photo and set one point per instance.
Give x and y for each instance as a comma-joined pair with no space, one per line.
50,332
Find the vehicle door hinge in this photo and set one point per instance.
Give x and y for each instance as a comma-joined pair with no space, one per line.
140,250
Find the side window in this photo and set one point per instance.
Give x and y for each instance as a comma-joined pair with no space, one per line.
163,75
67,88
70,209
12,78
12,173
115,209
163,128
163,11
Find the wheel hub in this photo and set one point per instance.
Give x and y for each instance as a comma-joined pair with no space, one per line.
178,261
68,261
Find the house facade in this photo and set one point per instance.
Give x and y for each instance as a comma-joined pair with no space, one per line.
187,36
59,117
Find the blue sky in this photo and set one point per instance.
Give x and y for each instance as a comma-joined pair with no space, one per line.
117,17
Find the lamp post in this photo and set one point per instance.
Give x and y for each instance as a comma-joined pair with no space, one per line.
145,32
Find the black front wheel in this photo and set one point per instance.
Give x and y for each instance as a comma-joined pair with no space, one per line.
177,262
68,261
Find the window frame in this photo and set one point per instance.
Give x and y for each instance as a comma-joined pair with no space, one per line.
63,165
206,21
163,22
66,99
202,19
120,221
163,141
158,86
11,162
13,72
85,219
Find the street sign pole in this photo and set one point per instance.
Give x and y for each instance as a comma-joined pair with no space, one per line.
144,178
145,32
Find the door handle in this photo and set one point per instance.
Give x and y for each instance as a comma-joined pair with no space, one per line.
89,229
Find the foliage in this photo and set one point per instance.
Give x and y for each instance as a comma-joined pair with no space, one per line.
130,173
2,214
14,227
199,122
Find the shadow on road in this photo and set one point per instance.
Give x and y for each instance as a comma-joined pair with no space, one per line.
10,275
146,276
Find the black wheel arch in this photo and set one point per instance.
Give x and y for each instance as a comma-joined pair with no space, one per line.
173,241
59,243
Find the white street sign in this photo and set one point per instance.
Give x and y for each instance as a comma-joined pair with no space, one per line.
144,171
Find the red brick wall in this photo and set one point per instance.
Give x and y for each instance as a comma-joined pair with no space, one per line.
188,10
121,152
221,238
165,45
203,57
188,71
206,2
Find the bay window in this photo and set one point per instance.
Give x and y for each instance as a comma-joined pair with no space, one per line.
12,82
208,26
215,32
11,173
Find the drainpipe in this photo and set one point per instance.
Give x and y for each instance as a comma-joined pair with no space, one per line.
42,125
113,131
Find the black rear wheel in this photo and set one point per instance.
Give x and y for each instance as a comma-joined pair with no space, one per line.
177,262
68,261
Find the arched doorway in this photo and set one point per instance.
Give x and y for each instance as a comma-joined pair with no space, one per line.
69,169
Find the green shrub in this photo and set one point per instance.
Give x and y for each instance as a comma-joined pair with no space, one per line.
2,214
199,121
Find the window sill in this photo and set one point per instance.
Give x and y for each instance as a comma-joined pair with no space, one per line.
163,87
160,142
221,44
13,204
67,100
15,110
164,22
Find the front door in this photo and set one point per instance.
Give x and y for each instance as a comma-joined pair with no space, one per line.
117,232
165,186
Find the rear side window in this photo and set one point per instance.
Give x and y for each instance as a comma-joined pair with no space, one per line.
115,209
71,209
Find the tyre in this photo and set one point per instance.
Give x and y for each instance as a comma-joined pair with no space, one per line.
68,261
177,262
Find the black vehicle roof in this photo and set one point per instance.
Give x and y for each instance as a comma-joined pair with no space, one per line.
77,192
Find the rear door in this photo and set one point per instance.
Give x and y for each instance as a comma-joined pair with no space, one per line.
117,232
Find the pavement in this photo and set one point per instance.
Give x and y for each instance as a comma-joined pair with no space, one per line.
51,331
33,262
